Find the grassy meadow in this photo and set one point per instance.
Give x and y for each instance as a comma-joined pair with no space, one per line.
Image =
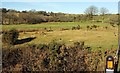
95,38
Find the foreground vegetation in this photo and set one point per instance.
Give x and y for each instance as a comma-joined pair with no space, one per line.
54,57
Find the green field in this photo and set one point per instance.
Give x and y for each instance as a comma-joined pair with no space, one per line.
95,38
54,25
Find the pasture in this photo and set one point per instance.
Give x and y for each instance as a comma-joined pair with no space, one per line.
97,38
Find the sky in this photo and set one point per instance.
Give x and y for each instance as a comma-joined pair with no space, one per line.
64,7
59,0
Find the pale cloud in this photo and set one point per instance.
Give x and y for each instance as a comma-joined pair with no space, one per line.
60,0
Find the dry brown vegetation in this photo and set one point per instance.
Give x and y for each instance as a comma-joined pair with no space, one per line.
52,57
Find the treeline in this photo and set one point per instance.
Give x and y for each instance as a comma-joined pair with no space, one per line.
10,16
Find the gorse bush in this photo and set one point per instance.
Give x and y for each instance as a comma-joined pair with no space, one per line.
10,37
88,27
76,28
54,47
94,26
51,57
79,45
42,46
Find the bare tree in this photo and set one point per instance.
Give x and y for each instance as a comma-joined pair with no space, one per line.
92,10
103,11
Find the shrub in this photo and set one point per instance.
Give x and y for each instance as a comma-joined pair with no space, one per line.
45,62
113,25
88,27
42,46
10,37
76,28
94,26
79,45
98,21
54,47
89,49
11,57
45,28
106,27
91,28
32,46
73,28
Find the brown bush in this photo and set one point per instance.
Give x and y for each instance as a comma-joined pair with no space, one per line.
76,28
10,37
52,57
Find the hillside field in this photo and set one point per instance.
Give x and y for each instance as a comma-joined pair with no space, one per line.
96,37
